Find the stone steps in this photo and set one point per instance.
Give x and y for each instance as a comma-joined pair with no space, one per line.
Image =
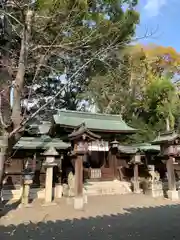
90,189
16,194
107,188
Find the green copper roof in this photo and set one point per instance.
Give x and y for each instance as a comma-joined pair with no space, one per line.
39,128
148,148
133,149
96,122
41,143
165,137
83,130
127,149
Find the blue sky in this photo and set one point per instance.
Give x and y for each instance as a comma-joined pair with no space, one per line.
162,17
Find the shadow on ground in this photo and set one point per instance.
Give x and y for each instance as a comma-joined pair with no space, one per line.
162,223
7,208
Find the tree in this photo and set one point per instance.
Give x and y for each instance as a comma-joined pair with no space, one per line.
160,93
42,40
142,89
160,101
161,60
116,91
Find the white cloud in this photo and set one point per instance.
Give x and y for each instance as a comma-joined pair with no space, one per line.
153,7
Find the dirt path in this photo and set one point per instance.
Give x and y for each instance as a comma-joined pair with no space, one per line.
108,217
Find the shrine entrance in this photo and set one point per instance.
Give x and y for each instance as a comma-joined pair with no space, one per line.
97,162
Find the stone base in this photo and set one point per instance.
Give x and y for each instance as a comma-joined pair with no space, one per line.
92,189
25,205
85,199
58,191
78,203
69,200
49,204
115,187
157,193
65,190
173,195
155,189
137,191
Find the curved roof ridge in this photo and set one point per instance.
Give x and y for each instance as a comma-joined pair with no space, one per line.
93,121
89,113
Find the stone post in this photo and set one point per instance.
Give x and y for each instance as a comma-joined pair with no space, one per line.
136,180
137,161
26,191
49,164
172,192
27,181
58,190
59,187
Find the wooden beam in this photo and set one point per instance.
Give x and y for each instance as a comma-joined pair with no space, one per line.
115,163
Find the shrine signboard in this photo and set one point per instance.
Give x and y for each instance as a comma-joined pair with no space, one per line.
98,146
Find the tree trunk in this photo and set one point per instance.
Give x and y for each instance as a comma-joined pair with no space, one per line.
109,106
167,124
3,156
9,142
19,81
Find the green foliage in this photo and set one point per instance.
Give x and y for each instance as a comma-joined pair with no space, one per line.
90,27
68,35
141,90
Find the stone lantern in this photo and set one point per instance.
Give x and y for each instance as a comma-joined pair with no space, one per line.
28,176
135,156
168,144
49,163
114,144
80,139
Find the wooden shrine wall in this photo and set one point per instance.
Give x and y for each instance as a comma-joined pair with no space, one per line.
99,168
13,174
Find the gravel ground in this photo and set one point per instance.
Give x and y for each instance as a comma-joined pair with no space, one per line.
104,217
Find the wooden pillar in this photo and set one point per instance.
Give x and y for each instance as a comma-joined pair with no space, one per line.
80,139
115,166
113,162
78,200
78,176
